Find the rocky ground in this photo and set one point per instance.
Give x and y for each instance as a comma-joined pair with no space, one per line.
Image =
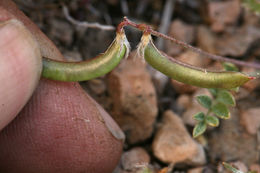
155,112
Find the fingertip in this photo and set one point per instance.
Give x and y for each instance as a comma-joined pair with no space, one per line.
20,68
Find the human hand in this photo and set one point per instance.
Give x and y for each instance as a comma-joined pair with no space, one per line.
61,129
20,69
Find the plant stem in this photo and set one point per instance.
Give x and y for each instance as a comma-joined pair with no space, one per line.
148,29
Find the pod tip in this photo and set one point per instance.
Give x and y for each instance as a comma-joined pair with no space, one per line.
252,77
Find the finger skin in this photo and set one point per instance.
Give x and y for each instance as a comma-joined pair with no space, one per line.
20,68
69,138
46,130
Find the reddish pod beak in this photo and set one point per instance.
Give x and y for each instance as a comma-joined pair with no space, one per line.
252,77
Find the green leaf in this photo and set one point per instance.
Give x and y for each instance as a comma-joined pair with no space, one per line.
213,91
231,168
212,121
226,98
199,129
199,116
229,66
204,100
221,110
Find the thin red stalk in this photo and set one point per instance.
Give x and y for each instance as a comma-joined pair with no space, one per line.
146,28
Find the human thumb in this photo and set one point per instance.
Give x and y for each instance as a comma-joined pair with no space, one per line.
20,68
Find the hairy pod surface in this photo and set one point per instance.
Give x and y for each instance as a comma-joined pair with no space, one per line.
89,69
188,74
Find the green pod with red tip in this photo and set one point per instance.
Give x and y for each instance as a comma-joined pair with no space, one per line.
188,74
89,69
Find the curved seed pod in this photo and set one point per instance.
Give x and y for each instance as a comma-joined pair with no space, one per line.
186,73
89,69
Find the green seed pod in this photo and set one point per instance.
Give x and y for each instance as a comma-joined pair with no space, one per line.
89,69
186,73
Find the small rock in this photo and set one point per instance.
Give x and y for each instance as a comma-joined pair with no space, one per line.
159,79
250,18
173,143
230,142
216,66
238,165
57,31
134,158
250,119
134,99
242,94
90,38
195,107
220,14
183,101
195,59
72,56
237,42
97,86
205,169
180,31
183,88
199,158
206,39
196,170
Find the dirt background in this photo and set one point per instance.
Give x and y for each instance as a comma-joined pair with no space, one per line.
155,112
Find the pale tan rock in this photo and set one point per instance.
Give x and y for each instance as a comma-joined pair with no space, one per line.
183,101
173,143
221,15
134,99
230,142
72,56
97,86
196,170
57,31
242,94
237,41
195,107
216,66
199,158
182,88
206,39
250,119
135,158
195,59
180,31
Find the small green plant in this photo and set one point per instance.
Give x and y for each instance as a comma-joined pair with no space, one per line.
217,106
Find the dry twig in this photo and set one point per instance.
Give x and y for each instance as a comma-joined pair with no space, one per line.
85,24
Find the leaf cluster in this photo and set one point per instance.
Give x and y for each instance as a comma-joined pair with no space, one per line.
217,106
